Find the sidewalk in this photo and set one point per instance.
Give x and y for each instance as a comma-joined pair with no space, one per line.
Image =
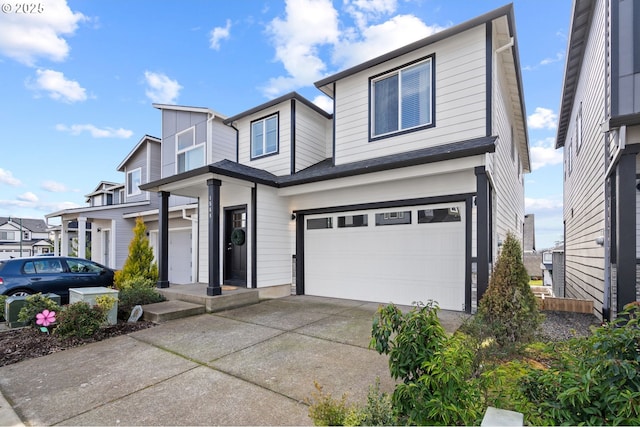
254,365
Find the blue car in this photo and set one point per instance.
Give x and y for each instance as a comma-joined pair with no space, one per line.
51,274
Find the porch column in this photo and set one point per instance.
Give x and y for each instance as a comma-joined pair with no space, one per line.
64,241
626,226
163,240
214,237
483,231
82,237
56,242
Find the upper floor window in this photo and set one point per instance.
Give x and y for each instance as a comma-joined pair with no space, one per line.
402,100
189,154
134,179
8,236
264,136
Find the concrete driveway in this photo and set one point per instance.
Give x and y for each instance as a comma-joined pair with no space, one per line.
254,365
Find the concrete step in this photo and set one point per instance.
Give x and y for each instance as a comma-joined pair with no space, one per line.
232,297
170,310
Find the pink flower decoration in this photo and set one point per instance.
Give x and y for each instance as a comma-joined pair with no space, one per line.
46,318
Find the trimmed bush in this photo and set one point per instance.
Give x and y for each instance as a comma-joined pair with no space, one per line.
139,263
80,320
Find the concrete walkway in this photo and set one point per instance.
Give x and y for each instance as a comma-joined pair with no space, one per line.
254,365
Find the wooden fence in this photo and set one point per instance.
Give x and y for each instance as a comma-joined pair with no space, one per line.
566,304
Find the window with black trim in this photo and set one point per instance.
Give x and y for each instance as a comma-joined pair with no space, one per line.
264,136
393,218
402,99
189,155
319,223
353,221
427,216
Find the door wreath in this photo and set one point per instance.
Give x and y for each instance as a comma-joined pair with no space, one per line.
238,237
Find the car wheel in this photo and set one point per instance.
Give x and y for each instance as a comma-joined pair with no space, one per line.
20,293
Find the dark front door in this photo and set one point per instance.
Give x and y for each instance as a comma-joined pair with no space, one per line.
235,254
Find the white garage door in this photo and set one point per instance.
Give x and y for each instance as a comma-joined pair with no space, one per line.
399,255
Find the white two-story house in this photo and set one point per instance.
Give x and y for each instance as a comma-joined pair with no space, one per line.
21,237
403,194
599,128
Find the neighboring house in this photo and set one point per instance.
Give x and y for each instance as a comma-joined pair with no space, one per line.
20,237
599,128
401,195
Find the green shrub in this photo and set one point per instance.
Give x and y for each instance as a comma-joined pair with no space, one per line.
80,320
438,386
130,297
378,410
325,410
139,263
35,304
594,380
508,309
3,299
137,282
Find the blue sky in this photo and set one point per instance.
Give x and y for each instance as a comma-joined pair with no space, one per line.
79,78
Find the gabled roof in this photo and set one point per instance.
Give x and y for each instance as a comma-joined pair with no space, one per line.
581,16
189,109
325,170
143,140
276,101
102,187
34,225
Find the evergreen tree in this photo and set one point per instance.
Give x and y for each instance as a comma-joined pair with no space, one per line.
139,264
508,307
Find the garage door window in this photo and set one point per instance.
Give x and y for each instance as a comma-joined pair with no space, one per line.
427,216
319,223
353,221
393,218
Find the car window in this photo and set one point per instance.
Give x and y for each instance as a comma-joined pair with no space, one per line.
47,266
29,268
82,266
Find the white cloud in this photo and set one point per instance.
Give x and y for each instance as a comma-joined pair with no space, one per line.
6,177
324,102
54,187
532,204
28,197
378,39
94,131
161,88
543,118
308,25
58,87
218,34
558,58
311,30
28,36
544,153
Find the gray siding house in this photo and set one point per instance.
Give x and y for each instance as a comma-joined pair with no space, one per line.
599,128
365,203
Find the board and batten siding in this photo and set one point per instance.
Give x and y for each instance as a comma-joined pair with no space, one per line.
277,164
154,162
505,163
584,198
174,122
460,87
274,236
311,140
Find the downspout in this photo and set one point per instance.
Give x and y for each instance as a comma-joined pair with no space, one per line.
606,300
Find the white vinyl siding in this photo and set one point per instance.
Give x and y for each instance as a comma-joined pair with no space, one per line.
584,199
460,100
311,138
222,141
275,230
